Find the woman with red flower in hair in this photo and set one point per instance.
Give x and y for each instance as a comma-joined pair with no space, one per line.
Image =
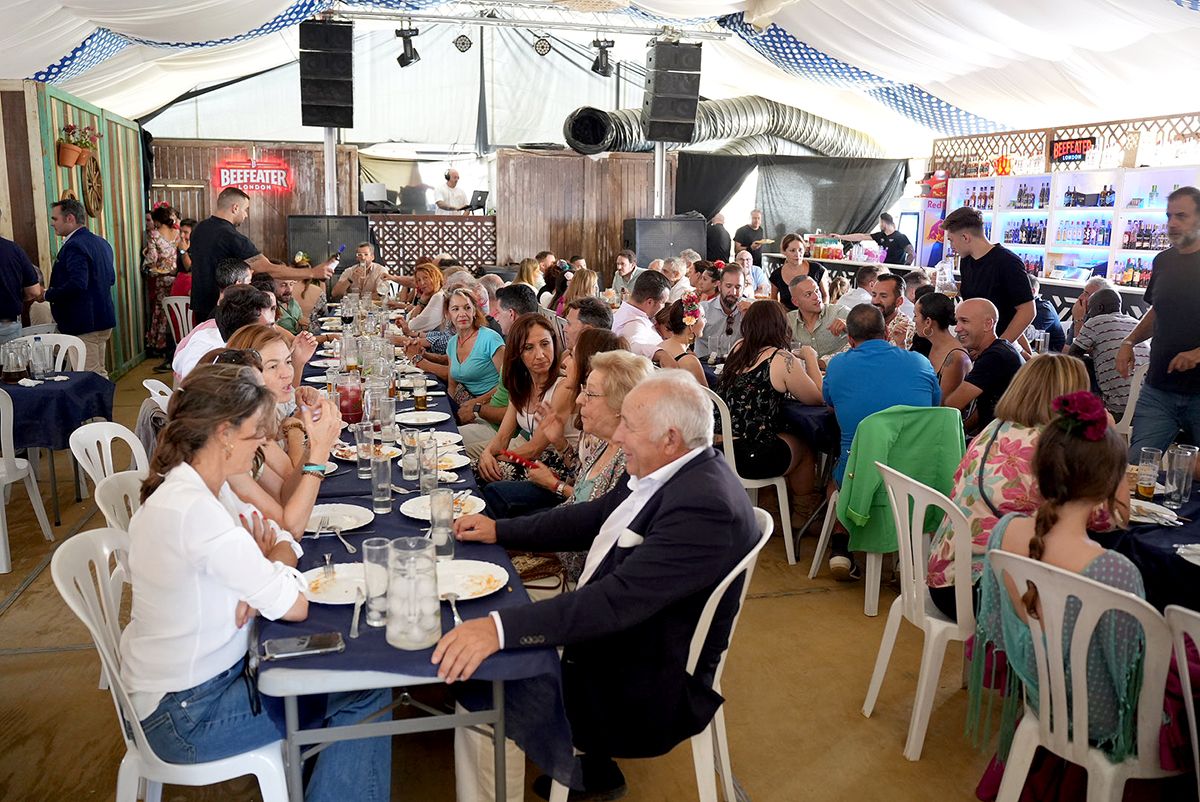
683,322
996,474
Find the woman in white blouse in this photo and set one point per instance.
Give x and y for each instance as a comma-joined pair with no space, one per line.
202,564
428,309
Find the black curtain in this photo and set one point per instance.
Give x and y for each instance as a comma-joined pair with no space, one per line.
803,193
704,182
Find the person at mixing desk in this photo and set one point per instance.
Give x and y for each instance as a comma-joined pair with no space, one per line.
898,248
450,198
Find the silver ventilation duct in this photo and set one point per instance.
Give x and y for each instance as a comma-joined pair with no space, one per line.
589,130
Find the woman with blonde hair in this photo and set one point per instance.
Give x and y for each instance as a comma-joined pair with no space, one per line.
428,309
529,273
996,475
584,284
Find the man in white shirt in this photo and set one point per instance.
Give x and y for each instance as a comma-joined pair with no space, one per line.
239,306
676,269
449,197
634,319
865,279
656,550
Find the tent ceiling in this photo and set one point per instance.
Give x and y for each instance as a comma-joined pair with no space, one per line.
899,71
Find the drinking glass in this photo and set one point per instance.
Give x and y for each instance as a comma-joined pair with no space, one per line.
381,484
331,381
410,463
441,522
385,417
414,619
364,441
1181,462
420,394
375,568
1148,472
428,452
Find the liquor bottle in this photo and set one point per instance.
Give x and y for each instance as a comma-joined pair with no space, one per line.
971,198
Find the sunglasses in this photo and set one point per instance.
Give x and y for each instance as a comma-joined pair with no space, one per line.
239,356
728,327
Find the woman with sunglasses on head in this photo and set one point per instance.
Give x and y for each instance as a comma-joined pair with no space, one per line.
303,429
476,355
202,563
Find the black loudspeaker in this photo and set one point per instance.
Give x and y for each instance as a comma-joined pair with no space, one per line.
672,91
320,236
327,74
659,238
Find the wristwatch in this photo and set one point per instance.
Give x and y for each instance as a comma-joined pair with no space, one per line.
476,409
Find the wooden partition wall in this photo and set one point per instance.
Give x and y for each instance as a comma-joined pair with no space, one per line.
572,204
184,170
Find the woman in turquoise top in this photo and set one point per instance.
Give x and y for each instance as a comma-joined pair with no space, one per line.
1080,466
476,355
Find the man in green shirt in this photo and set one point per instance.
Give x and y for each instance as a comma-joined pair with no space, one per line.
288,315
816,323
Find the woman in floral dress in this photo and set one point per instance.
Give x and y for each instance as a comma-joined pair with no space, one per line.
159,265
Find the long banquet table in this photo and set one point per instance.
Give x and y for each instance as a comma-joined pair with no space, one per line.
519,692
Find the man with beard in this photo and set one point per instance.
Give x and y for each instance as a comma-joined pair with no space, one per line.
722,316
886,296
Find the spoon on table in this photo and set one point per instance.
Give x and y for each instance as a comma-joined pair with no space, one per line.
350,548
452,598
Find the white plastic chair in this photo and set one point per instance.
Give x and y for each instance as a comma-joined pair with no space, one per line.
118,496
1124,426
1183,621
160,393
80,569
874,560
92,446
62,345
13,470
914,604
710,747
752,485
41,328
1064,731
178,309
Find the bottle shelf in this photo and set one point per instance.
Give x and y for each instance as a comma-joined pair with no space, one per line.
1087,209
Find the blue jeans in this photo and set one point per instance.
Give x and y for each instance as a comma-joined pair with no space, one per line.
215,720
1160,416
514,499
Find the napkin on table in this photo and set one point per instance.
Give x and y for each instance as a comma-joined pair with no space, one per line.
58,378
29,382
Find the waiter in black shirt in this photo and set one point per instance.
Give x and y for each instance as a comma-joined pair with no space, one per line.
898,249
217,238
717,240
751,238
990,271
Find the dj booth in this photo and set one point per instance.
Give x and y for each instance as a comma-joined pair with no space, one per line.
401,240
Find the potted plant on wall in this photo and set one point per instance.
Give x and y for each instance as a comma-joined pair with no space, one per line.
68,150
87,138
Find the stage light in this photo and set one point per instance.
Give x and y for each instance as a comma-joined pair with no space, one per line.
410,54
541,46
462,42
602,66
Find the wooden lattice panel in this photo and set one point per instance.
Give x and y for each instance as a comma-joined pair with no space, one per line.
974,156
1126,135
403,239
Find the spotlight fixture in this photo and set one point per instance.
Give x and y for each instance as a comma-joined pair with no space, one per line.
410,54
602,66
462,42
541,46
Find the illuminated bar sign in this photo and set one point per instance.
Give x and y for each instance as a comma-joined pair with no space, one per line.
262,175
1071,150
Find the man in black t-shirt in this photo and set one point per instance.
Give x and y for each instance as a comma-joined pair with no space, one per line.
19,282
996,361
217,239
751,238
992,272
1170,398
898,249
717,243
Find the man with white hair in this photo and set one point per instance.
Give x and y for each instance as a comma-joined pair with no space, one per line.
656,549
1079,309
676,269
491,282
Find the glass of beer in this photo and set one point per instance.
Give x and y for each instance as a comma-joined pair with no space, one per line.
420,395
1148,472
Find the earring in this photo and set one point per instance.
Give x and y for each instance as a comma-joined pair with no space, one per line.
228,449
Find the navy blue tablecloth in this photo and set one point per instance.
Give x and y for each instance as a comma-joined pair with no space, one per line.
1169,578
815,425
44,416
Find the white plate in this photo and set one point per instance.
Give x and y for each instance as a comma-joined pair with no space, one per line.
315,379
325,363
419,507
402,368
445,438
331,327
470,579
343,516
347,578
329,352
330,319
1145,512
452,462
426,418
330,467
349,451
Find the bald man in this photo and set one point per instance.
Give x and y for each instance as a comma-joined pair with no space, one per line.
450,197
996,361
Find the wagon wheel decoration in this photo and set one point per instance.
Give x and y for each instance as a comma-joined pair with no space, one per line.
93,188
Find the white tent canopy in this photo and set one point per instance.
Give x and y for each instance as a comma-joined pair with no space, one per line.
902,72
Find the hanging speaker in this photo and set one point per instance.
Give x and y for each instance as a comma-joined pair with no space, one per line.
672,91
327,74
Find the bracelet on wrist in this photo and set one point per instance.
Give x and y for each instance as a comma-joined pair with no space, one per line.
313,469
558,488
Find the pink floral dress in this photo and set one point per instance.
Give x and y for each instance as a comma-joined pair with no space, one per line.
995,478
160,268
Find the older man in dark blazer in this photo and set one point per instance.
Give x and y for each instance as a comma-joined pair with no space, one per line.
656,549
81,282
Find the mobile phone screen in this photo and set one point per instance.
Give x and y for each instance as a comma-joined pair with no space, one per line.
319,643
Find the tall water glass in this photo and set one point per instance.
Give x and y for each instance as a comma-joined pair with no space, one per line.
381,484
429,464
414,619
364,442
441,522
1151,458
1181,463
375,568
386,419
420,394
410,463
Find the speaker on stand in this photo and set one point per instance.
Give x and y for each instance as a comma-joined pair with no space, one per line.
672,91
327,74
